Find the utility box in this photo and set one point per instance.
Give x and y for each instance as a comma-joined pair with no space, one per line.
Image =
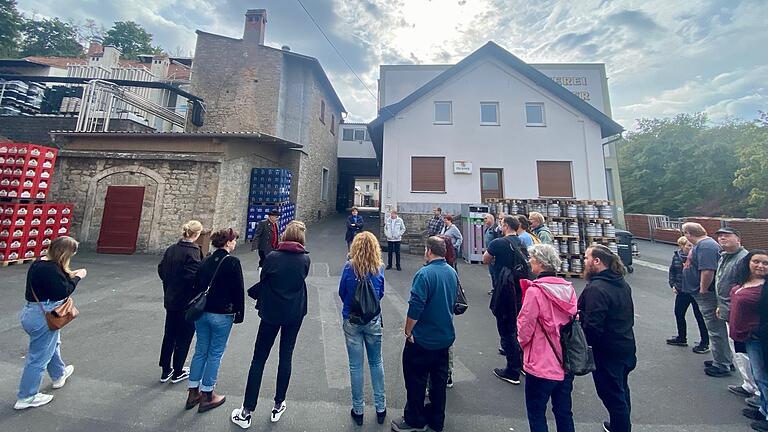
472,230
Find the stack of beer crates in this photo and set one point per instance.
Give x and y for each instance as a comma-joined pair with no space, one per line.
270,191
27,223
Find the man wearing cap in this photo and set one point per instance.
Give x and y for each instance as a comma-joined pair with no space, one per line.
730,241
266,237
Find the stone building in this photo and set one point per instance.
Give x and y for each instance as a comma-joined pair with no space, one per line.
184,176
250,87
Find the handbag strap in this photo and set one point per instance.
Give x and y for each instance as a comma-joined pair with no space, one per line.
551,345
37,299
210,284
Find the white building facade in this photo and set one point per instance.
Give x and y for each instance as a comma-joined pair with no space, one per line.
489,127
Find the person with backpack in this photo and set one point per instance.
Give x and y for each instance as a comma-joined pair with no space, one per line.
608,317
281,296
362,277
510,264
429,332
549,304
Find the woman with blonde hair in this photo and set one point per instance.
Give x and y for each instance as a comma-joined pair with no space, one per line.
49,283
363,337
177,270
282,302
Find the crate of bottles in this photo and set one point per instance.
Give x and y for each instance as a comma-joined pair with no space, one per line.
257,213
25,171
270,185
26,230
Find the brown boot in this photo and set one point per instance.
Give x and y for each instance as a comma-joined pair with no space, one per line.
209,401
193,398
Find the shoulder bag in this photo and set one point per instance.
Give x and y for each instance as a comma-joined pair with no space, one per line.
365,304
59,316
196,307
460,305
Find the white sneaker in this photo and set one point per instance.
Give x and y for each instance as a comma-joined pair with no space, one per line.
37,400
277,413
68,371
239,419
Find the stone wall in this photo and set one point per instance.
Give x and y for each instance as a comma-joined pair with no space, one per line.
240,83
178,188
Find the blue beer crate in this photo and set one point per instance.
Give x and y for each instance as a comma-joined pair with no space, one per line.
257,213
270,185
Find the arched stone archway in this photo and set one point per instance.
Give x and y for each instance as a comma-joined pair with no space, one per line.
130,175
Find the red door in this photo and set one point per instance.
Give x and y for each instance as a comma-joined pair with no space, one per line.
120,223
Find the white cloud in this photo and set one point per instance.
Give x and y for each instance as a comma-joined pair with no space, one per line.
663,57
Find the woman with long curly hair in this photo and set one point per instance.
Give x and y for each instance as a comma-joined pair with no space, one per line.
364,262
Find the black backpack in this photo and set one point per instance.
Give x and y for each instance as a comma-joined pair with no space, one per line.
577,354
521,268
365,305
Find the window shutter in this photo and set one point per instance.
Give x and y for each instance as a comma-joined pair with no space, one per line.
428,174
555,179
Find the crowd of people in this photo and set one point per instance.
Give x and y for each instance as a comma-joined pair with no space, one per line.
724,284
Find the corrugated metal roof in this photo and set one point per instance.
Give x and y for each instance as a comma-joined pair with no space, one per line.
180,135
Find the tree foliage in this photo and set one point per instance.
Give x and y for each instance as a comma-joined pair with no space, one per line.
683,166
50,37
131,38
10,28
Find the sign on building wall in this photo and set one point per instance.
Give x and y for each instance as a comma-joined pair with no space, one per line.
586,81
462,167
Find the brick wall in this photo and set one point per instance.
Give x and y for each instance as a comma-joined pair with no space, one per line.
711,224
38,129
754,232
637,224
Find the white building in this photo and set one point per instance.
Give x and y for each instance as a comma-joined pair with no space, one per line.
490,126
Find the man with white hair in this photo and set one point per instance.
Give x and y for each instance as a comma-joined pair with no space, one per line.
539,228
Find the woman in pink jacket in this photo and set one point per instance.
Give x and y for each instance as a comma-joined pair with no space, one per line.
549,303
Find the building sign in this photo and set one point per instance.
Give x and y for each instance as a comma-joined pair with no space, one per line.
462,167
587,81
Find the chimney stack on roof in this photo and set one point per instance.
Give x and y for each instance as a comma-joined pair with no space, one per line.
255,26
95,48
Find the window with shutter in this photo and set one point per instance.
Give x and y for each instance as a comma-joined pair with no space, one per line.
555,179
427,174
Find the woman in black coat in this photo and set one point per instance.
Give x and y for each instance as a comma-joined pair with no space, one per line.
282,302
177,271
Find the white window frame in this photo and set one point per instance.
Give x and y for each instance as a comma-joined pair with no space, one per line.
450,113
498,115
325,184
343,133
543,114
355,134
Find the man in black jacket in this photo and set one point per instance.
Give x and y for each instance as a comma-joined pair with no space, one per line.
266,237
607,316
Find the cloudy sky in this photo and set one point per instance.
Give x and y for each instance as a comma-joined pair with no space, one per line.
663,57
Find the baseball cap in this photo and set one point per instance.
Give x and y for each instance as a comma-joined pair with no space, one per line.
728,230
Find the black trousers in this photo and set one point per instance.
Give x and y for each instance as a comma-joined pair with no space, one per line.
264,341
507,327
393,247
682,302
419,364
538,392
176,340
262,257
611,382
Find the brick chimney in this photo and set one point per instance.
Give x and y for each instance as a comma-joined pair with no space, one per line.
255,26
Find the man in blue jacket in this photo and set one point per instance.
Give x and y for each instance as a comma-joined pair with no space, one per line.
429,333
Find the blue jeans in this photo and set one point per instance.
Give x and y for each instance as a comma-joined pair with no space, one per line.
538,391
212,335
360,339
757,361
44,353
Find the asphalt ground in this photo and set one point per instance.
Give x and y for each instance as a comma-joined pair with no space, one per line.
115,342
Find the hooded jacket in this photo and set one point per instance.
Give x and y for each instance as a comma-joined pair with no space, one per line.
608,315
282,289
549,303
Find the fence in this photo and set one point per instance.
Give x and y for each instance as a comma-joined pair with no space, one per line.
661,228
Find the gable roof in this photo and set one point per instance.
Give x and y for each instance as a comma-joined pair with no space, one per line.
608,127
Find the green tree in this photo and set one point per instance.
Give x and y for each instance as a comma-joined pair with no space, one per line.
10,28
752,176
680,167
131,39
50,37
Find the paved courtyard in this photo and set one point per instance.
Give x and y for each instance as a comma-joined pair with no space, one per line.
115,342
